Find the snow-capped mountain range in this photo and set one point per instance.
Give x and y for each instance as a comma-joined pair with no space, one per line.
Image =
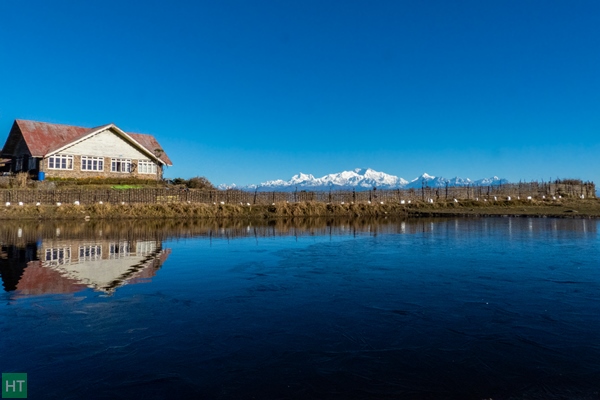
362,179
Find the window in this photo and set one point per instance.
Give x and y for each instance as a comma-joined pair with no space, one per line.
118,250
90,252
32,163
58,256
146,167
120,165
145,248
60,161
92,163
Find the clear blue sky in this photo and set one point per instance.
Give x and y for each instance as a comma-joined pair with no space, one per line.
246,91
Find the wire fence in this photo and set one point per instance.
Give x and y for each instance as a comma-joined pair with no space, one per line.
534,190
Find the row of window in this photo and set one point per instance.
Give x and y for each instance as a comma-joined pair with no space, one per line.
94,252
62,161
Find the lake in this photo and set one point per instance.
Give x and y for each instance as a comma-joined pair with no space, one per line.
309,309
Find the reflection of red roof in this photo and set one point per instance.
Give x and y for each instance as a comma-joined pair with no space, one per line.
149,270
43,138
37,280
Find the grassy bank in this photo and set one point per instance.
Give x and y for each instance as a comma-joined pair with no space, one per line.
185,210
564,209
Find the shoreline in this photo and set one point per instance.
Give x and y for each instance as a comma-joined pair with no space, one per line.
566,208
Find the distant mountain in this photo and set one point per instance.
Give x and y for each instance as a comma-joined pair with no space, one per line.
359,178
432,181
362,179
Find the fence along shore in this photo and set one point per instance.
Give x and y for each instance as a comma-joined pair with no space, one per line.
522,191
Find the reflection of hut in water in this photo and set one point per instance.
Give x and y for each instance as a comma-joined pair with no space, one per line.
55,266
103,265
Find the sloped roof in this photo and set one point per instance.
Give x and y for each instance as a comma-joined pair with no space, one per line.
150,143
43,138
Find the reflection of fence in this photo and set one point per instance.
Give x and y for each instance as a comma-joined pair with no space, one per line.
89,196
24,234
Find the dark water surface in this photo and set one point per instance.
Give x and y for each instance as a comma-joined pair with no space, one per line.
429,309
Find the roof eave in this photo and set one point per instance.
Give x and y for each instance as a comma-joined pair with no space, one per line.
138,145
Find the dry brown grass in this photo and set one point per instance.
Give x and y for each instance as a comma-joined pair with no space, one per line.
564,208
20,180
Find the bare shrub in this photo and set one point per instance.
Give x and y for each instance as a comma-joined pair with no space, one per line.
200,182
21,179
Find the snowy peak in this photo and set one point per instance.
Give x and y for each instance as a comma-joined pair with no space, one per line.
363,179
490,181
301,178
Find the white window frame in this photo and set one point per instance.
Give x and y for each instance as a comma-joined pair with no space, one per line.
92,164
145,248
93,252
58,256
60,161
119,250
146,167
120,165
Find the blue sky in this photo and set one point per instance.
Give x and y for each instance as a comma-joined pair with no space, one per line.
246,91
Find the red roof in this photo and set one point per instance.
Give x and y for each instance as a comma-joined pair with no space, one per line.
150,142
43,138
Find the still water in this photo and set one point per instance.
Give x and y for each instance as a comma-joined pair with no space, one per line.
313,309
